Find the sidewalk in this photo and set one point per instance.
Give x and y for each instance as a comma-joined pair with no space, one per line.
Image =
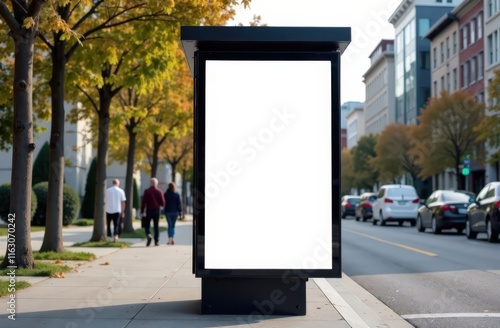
154,287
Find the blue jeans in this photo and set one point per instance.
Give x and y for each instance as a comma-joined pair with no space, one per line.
171,219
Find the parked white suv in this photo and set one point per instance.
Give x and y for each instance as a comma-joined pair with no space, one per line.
396,203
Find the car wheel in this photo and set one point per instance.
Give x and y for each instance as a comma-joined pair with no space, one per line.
357,218
468,230
420,227
401,223
435,229
364,218
491,233
459,231
382,221
413,223
374,222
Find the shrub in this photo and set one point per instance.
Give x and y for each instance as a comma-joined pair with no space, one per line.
88,202
5,202
71,204
41,165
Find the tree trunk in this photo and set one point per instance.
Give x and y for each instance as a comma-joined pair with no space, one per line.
22,153
129,178
184,192
99,232
52,240
154,162
173,164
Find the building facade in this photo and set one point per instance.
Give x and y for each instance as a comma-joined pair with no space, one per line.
412,21
445,56
379,85
491,64
355,126
345,108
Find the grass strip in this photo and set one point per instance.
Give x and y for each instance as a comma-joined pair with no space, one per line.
6,288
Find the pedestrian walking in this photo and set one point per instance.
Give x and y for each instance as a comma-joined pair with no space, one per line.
173,209
115,208
151,205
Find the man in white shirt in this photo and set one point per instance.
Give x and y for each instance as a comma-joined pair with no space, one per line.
115,208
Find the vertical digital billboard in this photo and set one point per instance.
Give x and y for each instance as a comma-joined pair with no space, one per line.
267,153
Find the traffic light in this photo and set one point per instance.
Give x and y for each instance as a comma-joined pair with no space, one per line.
466,168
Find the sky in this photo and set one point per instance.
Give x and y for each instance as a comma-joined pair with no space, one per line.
368,20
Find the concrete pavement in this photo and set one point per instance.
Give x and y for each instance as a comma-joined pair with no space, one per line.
154,287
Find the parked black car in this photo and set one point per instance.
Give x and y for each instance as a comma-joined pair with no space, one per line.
348,205
364,207
443,209
483,214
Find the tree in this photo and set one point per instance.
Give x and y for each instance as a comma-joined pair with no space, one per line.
363,155
22,20
41,165
393,157
488,130
347,178
446,133
135,55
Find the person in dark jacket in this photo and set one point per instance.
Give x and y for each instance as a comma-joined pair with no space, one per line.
173,209
151,205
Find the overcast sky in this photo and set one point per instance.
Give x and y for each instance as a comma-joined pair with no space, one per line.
367,19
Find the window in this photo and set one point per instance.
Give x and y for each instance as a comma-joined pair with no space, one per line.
495,46
448,82
434,57
455,80
479,26
473,70
464,37
472,31
442,83
435,88
442,52
465,74
454,42
439,1
424,59
490,49
448,48
490,8
423,26
480,65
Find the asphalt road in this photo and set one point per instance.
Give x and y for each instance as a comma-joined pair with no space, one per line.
433,281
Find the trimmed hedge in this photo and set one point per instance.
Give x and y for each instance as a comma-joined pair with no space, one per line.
71,204
41,165
88,202
5,202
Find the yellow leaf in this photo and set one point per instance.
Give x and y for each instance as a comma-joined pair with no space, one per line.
28,22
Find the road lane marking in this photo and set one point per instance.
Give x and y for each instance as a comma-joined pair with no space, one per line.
339,303
450,315
391,243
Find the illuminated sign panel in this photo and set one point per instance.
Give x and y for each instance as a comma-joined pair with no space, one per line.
267,165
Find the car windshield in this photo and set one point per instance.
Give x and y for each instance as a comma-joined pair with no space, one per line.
401,192
372,198
455,197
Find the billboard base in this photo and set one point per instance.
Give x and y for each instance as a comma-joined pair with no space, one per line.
253,296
